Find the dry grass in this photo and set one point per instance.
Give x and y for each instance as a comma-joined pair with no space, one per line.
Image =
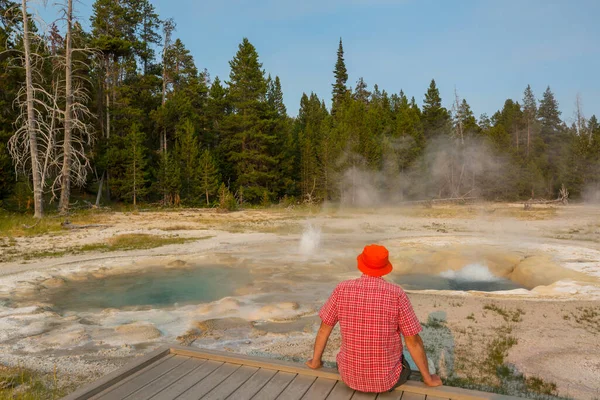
23,384
19,225
135,241
180,228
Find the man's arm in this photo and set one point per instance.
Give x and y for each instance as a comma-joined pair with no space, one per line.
417,351
320,343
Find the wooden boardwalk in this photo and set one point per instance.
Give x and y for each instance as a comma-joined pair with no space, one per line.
186,373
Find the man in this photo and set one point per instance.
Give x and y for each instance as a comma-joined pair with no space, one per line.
372,314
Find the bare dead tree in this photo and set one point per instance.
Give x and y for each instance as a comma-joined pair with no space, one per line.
65,192
37,144
23,145
459,116
78,133
580,120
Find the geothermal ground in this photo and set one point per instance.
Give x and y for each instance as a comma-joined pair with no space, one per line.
253,281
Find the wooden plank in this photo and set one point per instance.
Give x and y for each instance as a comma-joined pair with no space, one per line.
133,376
436,398
410,386
209,383
183,384
230,385
364,396
144,379
253,385
120,374
167,379
450,392
341,392
297,388
320,389
395,395
242,359
273,389
413,396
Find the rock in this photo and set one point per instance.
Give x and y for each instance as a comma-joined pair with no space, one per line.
276,311
138,332
542,271
53,282
177,264
63,338
221,324
79,277
189,337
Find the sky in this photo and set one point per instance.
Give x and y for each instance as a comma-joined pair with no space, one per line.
487,50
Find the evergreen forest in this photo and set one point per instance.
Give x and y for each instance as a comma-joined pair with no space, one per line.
121,113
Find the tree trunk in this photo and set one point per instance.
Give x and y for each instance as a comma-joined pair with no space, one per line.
99,195
31,122
65,193
134,171
528,135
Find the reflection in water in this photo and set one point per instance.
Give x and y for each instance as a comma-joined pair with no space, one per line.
153,288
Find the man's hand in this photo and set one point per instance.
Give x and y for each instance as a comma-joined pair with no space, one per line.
315,364
433,380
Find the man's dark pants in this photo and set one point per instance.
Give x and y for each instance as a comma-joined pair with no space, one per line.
404,374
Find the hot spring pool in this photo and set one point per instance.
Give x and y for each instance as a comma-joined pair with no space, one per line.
471,277
156,287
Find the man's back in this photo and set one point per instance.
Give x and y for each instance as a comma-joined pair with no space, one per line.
372,314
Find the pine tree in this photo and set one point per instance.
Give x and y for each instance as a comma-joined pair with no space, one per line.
436,118
549,117
530,114
169,178
341,77
408,132
248,137
360,92
554,137
511,118
188,155
468,119
208,175
285,145
135,175
275,96
148,26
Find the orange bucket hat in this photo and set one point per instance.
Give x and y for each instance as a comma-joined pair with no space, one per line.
374,261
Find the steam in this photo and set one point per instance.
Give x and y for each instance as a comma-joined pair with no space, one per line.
310,240
446,169
471,273
591,194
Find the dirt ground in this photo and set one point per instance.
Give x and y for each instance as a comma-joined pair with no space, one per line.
541,336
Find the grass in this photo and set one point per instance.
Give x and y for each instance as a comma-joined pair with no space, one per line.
498,351
19,225
508,315
134,241
14,225
23,384
587,317
493,374
435,323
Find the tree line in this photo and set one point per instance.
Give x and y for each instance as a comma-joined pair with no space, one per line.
122,113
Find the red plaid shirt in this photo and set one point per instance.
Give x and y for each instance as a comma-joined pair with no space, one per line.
372,314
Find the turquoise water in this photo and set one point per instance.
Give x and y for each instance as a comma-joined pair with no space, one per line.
150,288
